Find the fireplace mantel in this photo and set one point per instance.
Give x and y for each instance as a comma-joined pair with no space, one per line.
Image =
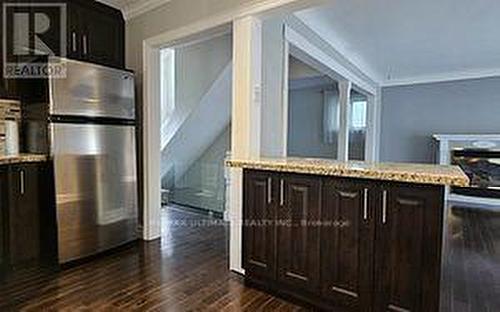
448,143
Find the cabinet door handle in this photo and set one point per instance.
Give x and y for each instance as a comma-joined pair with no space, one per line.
85,44
269,190
384,207
282,192
365,204
73,41
21,182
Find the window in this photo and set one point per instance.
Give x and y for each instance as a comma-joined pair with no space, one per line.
358,114
357,125
167,64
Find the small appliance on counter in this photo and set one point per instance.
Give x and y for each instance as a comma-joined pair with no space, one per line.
10,118
85,123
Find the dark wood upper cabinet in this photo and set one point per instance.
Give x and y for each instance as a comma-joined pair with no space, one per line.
298,232
96,33
258,235
347,243
103,41
408,245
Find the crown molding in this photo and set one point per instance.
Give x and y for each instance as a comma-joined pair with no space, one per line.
138,7
133,8
443,77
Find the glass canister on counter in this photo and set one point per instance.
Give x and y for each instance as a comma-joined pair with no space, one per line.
10,117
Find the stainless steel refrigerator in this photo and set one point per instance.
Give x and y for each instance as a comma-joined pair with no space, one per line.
86,124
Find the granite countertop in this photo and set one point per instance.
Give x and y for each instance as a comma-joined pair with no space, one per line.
22,158
400,172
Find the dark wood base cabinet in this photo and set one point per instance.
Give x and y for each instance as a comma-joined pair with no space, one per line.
25,203
343,244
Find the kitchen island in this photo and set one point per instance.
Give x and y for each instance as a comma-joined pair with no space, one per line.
352,236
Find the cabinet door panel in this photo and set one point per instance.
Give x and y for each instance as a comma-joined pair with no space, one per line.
74,31
347,238
258,231
408,248
24,227
298,233
3,215
103,39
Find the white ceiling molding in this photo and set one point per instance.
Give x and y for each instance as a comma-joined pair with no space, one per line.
408,42
444,77
133,8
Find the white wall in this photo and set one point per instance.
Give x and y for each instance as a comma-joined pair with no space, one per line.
197,67
174,14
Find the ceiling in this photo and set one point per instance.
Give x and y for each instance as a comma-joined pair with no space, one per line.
408,41
131,8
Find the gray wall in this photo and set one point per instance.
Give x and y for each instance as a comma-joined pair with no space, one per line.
305,125
412,114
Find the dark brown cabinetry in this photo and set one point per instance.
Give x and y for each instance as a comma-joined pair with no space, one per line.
347,243
96,33
24,199
3,205
407,249
298,252
259,252
344,243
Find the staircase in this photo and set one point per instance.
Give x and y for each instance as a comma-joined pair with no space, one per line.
188,150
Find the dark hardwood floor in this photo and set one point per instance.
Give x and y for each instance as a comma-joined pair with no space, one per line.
472,272
186,271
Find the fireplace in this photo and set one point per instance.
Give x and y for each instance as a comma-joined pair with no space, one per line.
479,158
482,166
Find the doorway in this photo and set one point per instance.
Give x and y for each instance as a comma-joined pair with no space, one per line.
196,95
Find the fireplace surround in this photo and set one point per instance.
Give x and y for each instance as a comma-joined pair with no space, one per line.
479,158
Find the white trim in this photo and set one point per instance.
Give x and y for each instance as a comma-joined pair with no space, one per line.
308,41
377,125
373,122
345,111
152,143
246,120
136,8
133,8
238,270
309,47
201,26
466,137
443,77
286,81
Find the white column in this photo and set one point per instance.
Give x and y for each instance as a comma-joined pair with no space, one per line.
373,129
246,116
152,143
345,113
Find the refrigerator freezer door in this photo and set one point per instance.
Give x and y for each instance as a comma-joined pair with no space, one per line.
96,187
92,90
